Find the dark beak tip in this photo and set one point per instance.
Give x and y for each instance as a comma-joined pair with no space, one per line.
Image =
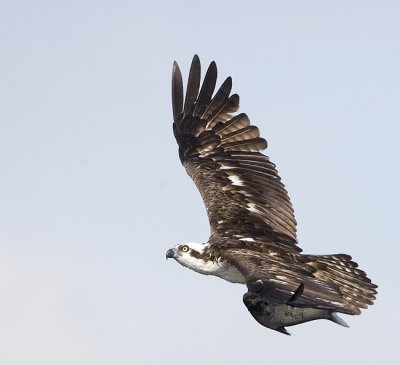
170,254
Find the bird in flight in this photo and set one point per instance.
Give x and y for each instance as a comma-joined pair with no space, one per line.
252,224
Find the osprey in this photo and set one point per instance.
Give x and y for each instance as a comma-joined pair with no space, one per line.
253,228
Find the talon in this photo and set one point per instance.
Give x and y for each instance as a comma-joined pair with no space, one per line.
297,294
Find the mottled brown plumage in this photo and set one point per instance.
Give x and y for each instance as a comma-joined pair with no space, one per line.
252,223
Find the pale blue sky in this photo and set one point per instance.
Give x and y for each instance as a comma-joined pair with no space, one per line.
92,192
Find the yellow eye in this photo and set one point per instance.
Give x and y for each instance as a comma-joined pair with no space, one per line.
185,248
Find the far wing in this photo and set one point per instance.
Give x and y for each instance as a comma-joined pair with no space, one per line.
278,279
240,187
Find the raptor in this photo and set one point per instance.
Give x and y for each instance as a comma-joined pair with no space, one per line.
252,225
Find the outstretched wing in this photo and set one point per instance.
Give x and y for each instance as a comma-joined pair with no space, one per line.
327,281
240,187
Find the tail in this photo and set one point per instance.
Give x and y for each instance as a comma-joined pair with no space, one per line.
335,318
355,288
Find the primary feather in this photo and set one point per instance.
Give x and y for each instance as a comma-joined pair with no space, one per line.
252,225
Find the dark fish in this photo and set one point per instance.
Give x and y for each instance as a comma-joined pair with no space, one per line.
278,315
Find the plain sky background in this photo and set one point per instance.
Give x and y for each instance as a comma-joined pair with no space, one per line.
92,192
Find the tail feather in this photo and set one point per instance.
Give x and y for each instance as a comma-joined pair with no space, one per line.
355,288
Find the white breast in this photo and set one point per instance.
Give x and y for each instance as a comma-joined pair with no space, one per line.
228,272
221,269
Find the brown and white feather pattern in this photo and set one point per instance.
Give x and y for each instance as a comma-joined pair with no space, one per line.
253,227
330,281
241,188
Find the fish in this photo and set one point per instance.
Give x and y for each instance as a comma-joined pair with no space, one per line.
277,316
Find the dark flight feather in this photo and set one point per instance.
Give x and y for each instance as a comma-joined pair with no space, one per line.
177,92
193,86
218,101
330,282
252,221
221,153
206,91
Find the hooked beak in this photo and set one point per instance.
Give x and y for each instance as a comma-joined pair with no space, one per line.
170,254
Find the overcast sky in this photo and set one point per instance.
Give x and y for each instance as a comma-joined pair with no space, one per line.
92,193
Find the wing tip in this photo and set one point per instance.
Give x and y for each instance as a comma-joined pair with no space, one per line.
175,68
177,91
196,58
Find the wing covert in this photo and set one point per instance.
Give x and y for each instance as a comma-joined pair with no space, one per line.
332,282
221,151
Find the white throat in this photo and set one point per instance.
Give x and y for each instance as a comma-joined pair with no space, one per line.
206,266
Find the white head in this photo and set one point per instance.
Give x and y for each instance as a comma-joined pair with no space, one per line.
189,254
197,257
